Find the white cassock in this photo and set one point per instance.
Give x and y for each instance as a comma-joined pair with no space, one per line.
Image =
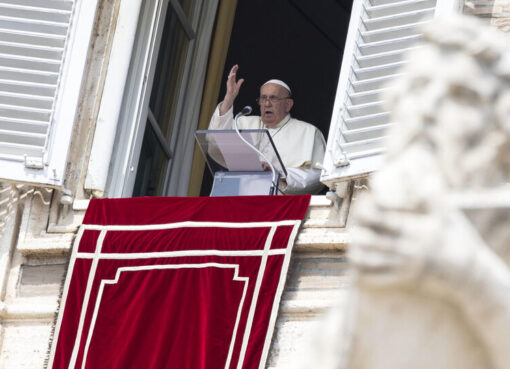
300,145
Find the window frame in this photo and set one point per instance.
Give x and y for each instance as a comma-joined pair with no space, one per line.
135,105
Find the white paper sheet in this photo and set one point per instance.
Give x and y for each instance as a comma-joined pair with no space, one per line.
238,156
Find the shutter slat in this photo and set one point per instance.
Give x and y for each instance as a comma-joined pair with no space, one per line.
376,11
11,74
35,14
389,57
382,2
31,51
19,125
18,151
366,133
360,148
391,33
402,44
38,27
378,71
26,38
40,115
372,84
29,63
20,87
44,4
367,152
26,101
398,19
22,138
364,109
364,97
367,121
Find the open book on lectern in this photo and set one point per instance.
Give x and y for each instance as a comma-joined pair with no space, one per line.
237,168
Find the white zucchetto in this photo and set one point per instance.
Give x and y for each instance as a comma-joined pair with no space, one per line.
279,82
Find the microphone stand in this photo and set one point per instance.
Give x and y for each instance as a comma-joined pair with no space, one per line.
245,111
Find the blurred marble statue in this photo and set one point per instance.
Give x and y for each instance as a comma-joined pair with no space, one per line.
431,249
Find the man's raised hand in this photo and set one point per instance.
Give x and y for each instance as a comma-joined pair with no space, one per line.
233,88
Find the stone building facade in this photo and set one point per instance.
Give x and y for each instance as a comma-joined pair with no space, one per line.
38,225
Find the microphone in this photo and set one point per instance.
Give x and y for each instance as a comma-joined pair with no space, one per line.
245,111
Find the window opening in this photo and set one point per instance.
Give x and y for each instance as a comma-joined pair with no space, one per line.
165,99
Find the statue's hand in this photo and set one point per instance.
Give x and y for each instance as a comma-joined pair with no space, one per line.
390,247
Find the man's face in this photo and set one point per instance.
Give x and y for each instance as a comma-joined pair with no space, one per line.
273,113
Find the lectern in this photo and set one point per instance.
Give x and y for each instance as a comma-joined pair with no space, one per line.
238,169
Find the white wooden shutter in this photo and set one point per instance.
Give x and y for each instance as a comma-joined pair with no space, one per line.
380,32
43,49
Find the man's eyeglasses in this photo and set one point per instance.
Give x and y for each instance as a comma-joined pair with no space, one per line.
274,99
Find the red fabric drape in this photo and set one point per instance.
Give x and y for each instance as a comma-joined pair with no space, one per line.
176,282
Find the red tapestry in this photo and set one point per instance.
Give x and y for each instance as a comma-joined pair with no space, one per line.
188,283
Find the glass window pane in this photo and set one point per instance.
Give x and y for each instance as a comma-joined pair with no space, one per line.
187,7
152,166
169,74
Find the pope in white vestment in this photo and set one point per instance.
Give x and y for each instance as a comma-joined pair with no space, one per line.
300,145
